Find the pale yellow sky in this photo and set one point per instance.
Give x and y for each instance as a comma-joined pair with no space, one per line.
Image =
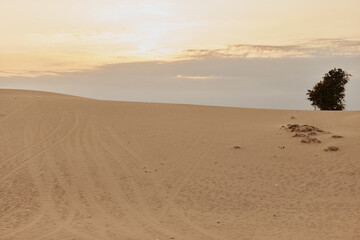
48,36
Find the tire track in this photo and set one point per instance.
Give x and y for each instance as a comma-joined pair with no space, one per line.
38,142
43,150
47,198
189,173
8,107
144,214
192,224
86,144
137,158
44,207
40,215
17,110
59,226
181,184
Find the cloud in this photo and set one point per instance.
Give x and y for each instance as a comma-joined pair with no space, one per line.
65,60
194,77
313,48
240,82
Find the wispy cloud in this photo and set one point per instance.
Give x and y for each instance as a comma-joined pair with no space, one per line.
89,57
194,77
313,48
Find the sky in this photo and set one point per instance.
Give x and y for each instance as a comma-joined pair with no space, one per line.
227,53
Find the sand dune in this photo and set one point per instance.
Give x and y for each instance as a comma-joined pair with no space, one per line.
77,168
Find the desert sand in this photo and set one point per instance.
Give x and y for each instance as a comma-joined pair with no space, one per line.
78,168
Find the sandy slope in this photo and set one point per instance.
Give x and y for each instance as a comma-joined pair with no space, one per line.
76,168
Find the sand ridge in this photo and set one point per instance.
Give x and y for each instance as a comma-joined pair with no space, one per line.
77,168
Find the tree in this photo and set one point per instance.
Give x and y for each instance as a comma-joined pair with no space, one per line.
329,93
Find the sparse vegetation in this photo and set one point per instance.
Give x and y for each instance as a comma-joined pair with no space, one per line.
304,128
310,140
306,132
300,135
337,136
331,149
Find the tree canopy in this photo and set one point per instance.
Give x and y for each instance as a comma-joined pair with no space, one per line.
329,93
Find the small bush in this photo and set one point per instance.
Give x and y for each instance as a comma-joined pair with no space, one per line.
331,149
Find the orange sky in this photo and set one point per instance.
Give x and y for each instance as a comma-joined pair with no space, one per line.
50,37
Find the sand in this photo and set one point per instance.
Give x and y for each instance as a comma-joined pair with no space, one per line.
77,168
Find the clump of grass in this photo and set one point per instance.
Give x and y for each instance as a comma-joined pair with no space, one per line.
304,128
337,136
331,149
310,140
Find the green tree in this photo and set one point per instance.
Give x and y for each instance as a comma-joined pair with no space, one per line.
329,93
